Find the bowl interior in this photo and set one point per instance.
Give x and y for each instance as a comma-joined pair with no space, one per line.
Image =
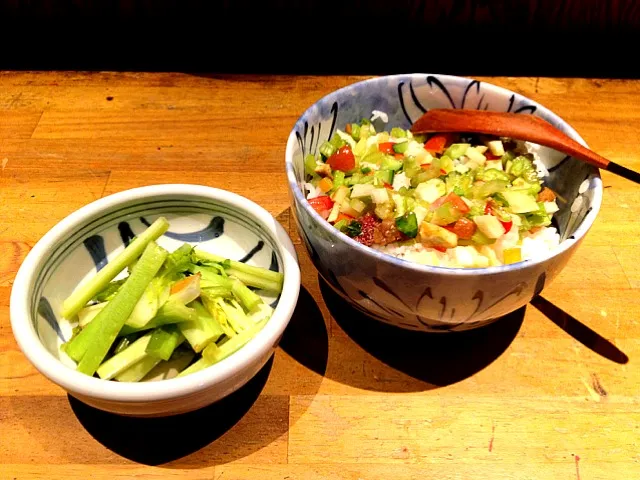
404,98
211,226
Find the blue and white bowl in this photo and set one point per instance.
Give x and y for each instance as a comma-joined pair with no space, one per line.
78,246
419,297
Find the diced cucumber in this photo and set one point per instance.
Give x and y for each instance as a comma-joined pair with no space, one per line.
390,163
384,175
401,147
457,150
520,201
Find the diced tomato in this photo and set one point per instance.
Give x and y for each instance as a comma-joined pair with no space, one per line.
440,249
455,200
507,226
490,156
487,209
438,143
343,159
348,128
399,156
387,186
386,147
321,204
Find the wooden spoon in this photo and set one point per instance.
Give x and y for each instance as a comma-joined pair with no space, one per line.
517,126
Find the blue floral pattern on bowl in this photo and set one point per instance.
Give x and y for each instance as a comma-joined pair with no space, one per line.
422,297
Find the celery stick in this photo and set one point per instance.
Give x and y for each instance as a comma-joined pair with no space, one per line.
211,304
171,368
138,370
235,315
145,309
255,281
264,273
89,313
195,367
123,360
171,312
164,341
200,332
78,299
246,297
214,353
124,342
100,334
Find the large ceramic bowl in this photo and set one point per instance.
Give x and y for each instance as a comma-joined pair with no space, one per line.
416,296
213,219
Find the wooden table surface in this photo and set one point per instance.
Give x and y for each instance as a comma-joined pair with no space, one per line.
544,395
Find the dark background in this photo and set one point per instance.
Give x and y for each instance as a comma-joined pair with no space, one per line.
479,37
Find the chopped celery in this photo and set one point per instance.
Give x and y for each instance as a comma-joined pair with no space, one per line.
214,353
201,364
171,312
236,316
355,131
138,370
109,291
327,149
338,179
398,133
171,368
246,297
89,313
411,167
310,164
488,188
201,331
78,299
124,359
275,277
445,214
164,341
456,150
493,174
93,342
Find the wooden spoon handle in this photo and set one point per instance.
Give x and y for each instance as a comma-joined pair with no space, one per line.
517,126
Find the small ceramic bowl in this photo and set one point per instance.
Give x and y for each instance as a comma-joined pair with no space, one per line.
410,295
74,249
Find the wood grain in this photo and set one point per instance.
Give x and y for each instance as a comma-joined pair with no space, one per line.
344,398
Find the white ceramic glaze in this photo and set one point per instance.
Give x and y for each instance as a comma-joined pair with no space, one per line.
72,251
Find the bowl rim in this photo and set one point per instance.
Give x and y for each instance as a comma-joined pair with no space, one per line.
379,256
22,322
